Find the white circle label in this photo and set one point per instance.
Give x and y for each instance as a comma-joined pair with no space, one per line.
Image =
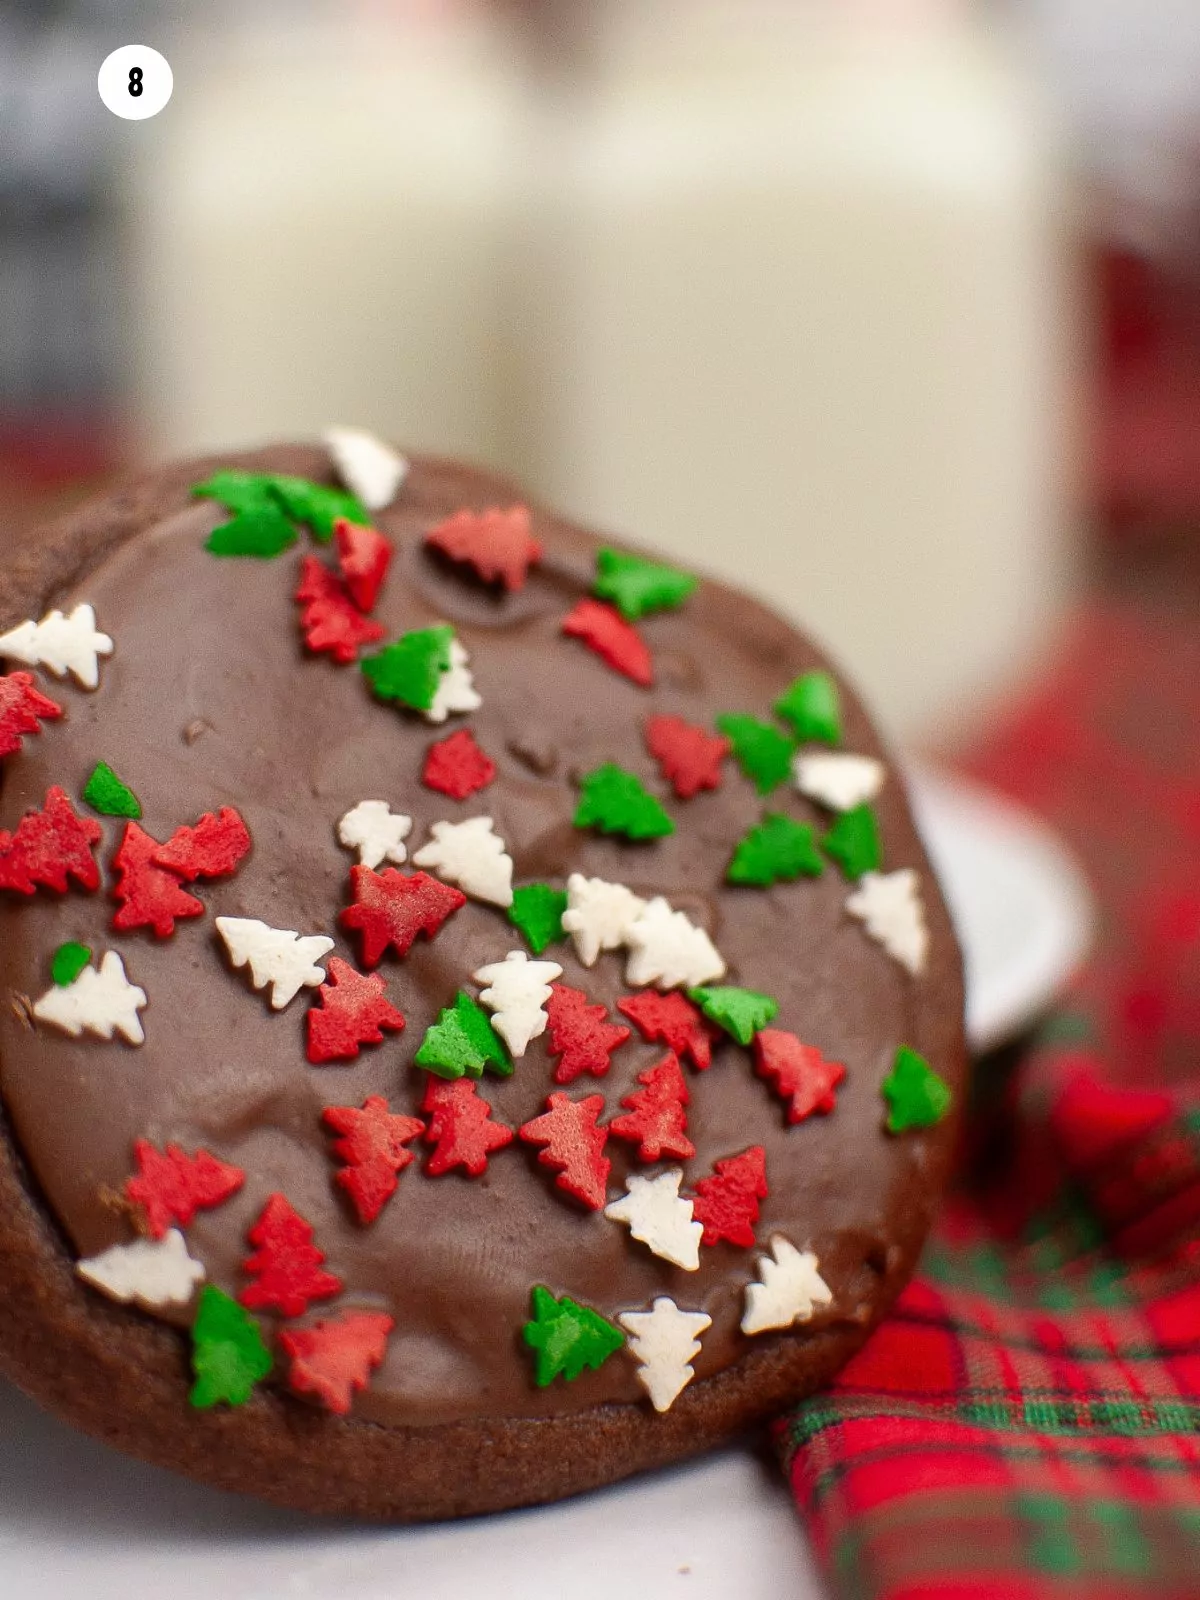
135,82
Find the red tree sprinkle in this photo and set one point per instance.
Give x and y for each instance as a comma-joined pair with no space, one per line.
580,1034
372,1148
23,709
617,642
392,908
354,1010
364,556
214,848
149,895
727,1203
333,1360
457,766
797,1072
286,1265
655,1119
460,1128
50,847
574,1146
331,622
171,1186
672,1020
497,545
690,756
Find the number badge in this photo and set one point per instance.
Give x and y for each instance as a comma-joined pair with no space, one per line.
135,82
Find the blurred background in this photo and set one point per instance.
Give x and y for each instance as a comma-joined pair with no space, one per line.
889,309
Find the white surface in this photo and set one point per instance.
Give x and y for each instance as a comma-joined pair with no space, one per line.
1022,907
76,1519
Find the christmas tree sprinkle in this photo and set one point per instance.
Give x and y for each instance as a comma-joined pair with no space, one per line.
286,1266
239,492
811,706
228,1353
258,526
318,505
778,850
741,1012
616,801
334,1360
853,842
265,533
265,506
581,1036
636,586
463,1041
410,670
617,642
568,1337
916,1096
50,847
22,710
498,545
461,1129
689,756
537,910
763,753
106,794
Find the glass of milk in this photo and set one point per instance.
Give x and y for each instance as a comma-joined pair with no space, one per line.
798,314
776,287
320,228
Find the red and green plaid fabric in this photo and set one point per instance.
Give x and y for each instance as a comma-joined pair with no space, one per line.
1026,1424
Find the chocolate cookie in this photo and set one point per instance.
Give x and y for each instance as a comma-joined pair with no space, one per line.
480,1020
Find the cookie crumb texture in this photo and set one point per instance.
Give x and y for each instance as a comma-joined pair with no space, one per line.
477,1077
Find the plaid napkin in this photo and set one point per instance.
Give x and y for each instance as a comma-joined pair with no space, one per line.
1026,1424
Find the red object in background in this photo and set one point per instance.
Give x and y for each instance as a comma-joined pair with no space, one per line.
1025,1423
1147,445
46,453
48,462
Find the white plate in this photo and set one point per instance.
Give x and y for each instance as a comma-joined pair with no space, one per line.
1023,909
78,1520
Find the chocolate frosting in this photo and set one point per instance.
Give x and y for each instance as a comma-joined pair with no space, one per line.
210,700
